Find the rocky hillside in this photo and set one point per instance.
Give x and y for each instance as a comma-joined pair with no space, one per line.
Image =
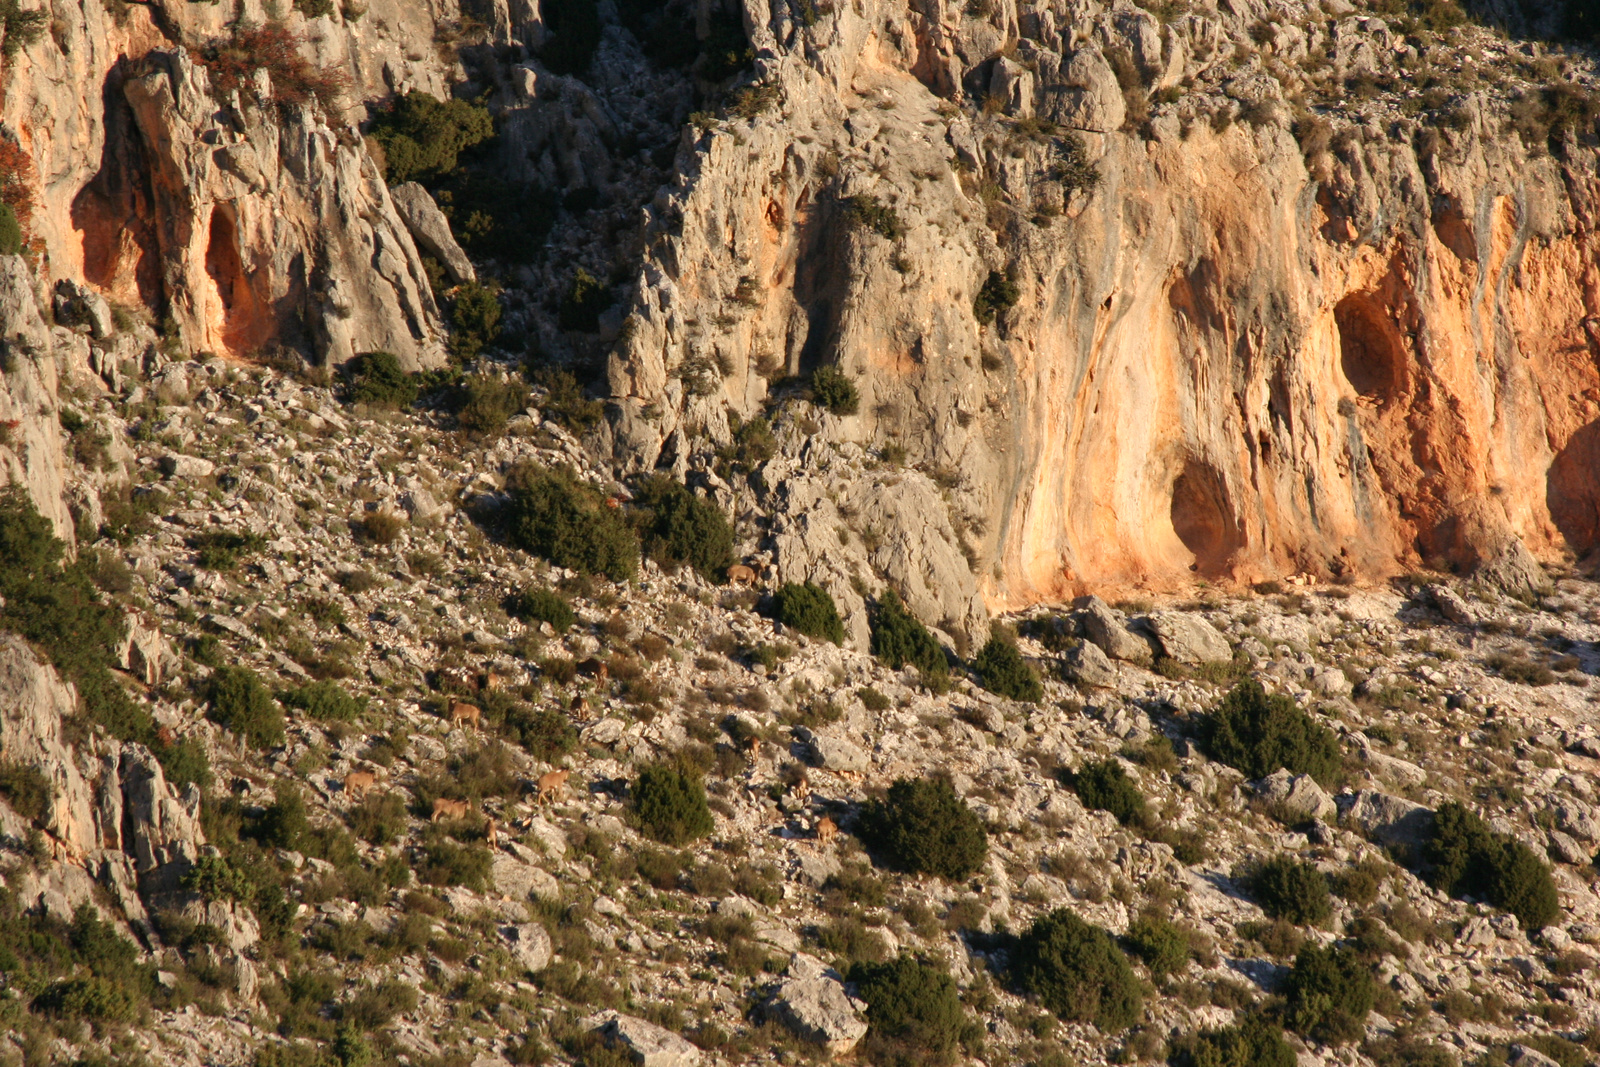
676,534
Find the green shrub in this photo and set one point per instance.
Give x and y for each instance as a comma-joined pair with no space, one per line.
565,402
1329,992
444,862
585,300
831,389
1163,946
870,213
283,823
1289,889
474,319
10,231
670,804
485,403
898,638
808,609
679,527
380,818
998,293
1077,971
1259,734
544,733
554,515
92,998
1004,672
1415,1052
922,827
1463,856
242,704
1360,884
534,605
27,790
325,701
1254,1041
57,608
219,550
422,137
914,1011
1103,785
214,878
377,379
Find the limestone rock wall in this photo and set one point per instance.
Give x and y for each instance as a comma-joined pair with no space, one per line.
1229,359
245,224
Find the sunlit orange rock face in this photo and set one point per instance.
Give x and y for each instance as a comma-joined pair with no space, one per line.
1227,362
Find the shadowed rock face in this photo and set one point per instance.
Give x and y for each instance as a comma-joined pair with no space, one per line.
1221,363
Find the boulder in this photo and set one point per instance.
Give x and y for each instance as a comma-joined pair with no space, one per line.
1297,794
1086,664
838,755
1563,849
1523,1056
649,1044
518,879
1102,626
78,305
529,944
1188,638
1451,605
431,230
178,465
1387,819
812,1002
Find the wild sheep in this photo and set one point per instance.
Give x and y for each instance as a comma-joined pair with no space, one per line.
551,784
450,809
462,712
739,574
826,830
356,783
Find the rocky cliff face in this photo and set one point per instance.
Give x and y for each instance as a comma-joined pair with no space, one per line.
1231,357
238,218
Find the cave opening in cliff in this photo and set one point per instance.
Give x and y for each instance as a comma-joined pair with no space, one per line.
1370,353
1572,491
1203,519
226,271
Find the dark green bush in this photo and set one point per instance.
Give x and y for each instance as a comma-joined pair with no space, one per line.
325,701
214,878
585,300
283,823
27,790
444,862
1463,856
922,827
679,527
534,605
1258,734
870,213
565,402
10,231
1077,971
91,998
914,1012
474,319
831,389
376,378
898,638
554,515
57,608
242,704
421,137
1104,786
1254,1041
485,403
220,550
1289,889
1004,672
380,818
808,609
998,293
670,804
545,734
1163,946
1329,992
